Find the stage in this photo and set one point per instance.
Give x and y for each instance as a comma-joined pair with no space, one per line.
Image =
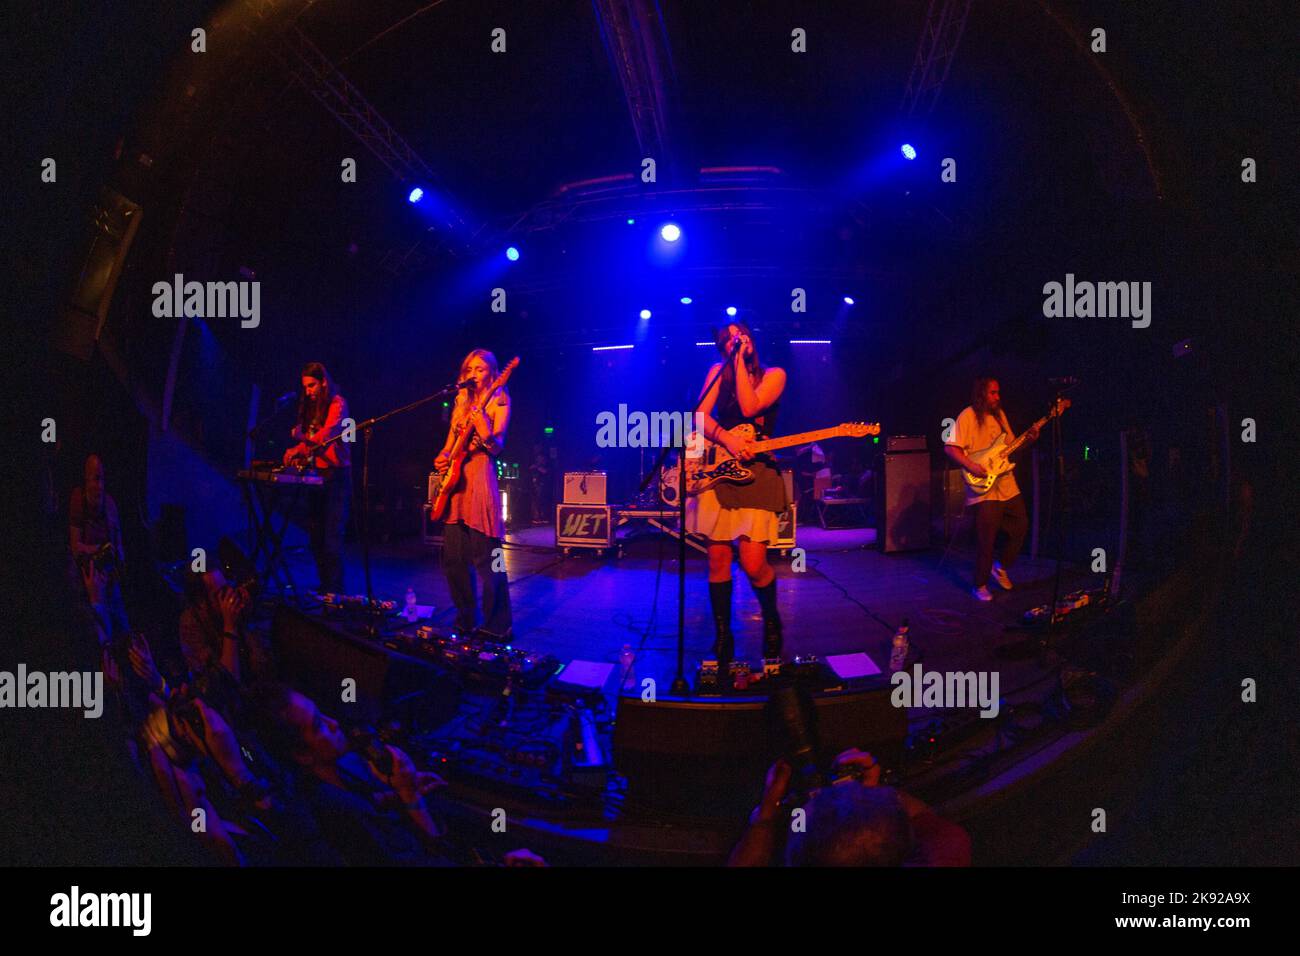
849,598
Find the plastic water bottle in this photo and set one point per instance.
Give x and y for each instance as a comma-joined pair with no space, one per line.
626,658
898,656
410,612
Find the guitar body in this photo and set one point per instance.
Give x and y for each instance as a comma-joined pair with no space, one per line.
300,456
993,460
709,463
447,486
450,478
996,459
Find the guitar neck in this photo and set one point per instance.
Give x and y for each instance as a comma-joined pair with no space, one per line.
803,438
1024,434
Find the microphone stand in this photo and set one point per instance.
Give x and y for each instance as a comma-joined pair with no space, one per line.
1062,509
680,686
367,428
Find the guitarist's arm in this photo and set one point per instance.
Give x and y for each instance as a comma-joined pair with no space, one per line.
338,411
956,445
959,457
709,426
490,426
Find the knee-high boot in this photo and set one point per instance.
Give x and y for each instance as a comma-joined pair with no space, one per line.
771,619
724,645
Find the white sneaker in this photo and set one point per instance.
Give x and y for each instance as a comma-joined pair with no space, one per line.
981,594
1000,575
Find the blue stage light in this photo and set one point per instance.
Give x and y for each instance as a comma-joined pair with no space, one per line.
670,232
645,313
415,195
512,254
631,222
908,151
731,310
848,300
687,300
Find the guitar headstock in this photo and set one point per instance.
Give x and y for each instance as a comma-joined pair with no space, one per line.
858,429
1060,405
505,374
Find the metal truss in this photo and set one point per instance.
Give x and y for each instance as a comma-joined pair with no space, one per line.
944,23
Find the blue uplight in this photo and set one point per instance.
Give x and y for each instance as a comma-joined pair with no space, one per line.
415,195
670,232
645,313
908,151
512,254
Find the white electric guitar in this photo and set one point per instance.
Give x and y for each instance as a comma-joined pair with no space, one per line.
708,463
996,459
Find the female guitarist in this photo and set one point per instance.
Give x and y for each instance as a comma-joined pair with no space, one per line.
322,410
746,392
473,527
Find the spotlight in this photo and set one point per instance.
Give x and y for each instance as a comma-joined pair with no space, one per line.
670,232
631,222
415,195
687,300
512,254
908,151
645,313
848,300
731,310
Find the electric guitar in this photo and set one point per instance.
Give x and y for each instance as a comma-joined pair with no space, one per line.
996,459
708,463
447,480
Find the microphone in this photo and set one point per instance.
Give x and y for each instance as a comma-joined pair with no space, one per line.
736,346
468,383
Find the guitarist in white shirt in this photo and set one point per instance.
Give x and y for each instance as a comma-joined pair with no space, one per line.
1001,508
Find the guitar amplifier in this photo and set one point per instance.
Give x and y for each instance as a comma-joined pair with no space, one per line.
905,443
584,488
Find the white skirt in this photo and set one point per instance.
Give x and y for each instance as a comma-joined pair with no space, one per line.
706,516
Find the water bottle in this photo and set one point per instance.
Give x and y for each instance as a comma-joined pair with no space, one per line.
625,661
898,656
410,612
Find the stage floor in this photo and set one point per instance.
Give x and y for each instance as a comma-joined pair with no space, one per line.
850,597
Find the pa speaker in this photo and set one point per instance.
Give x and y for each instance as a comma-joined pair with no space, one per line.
708,759
315,657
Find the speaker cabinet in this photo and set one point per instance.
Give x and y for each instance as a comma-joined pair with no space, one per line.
315,656
708,759
905,505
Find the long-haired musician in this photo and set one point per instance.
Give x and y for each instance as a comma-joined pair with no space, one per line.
1000,509
473,526
322,410
746,515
